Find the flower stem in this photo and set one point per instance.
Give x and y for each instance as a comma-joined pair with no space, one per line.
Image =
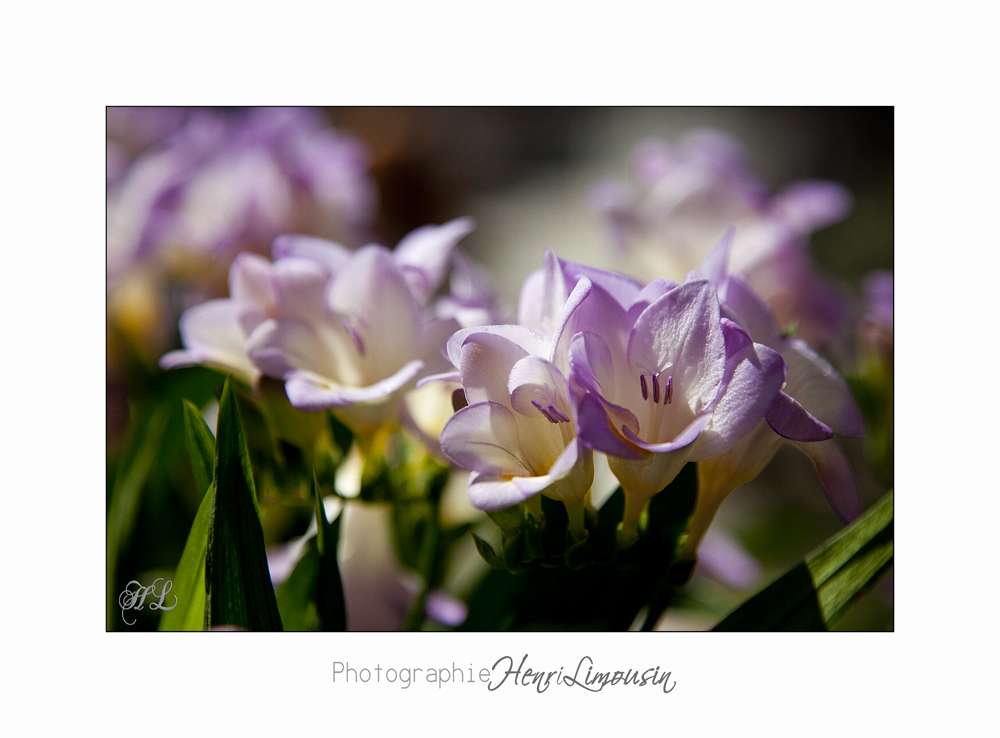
428,553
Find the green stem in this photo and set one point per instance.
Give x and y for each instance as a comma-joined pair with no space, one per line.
428,551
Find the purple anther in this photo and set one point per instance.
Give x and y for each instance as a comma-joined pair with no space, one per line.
670,389
559,416
550,412
656,387
642,383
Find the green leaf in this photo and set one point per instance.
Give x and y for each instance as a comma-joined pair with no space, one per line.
133,471
237,583
330,600
489,555
312,598
189,577
201,446
297,595
819,591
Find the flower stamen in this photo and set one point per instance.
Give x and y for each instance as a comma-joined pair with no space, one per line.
550,412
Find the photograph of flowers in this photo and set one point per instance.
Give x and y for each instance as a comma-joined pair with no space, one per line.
493,369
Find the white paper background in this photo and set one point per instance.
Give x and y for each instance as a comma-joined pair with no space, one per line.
63,63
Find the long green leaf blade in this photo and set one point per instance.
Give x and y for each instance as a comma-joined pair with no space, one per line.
297,595
819,591
189,577
201,446
330,588
238,585
126,496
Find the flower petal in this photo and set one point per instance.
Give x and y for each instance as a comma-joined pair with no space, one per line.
491,492
422,255
331,256
484,438
834,472
372,294
542,297
649,294
485,365
310,393
445,377
681,332
212,336
754,376
790,420
820,389
591,364
621,289
536,385
299,285
716,265
250,281
596,430
682,439
749,310
530,341
809,205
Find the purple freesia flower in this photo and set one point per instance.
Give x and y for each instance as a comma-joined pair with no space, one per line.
215,333
349,331
518,432
684,197
661,378
814,402
224,183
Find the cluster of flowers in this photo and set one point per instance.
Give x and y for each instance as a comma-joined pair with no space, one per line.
211,184
653,376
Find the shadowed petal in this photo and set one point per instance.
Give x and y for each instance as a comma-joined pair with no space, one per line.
484,438
596,430
754,373
747,309
790,420
820,389
538,389
682,439
621,289
491,493
834,472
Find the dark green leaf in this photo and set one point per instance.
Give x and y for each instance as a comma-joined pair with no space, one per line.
488,554
816,593
133,470
189,577
201,446
238,584
330,600
297,595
